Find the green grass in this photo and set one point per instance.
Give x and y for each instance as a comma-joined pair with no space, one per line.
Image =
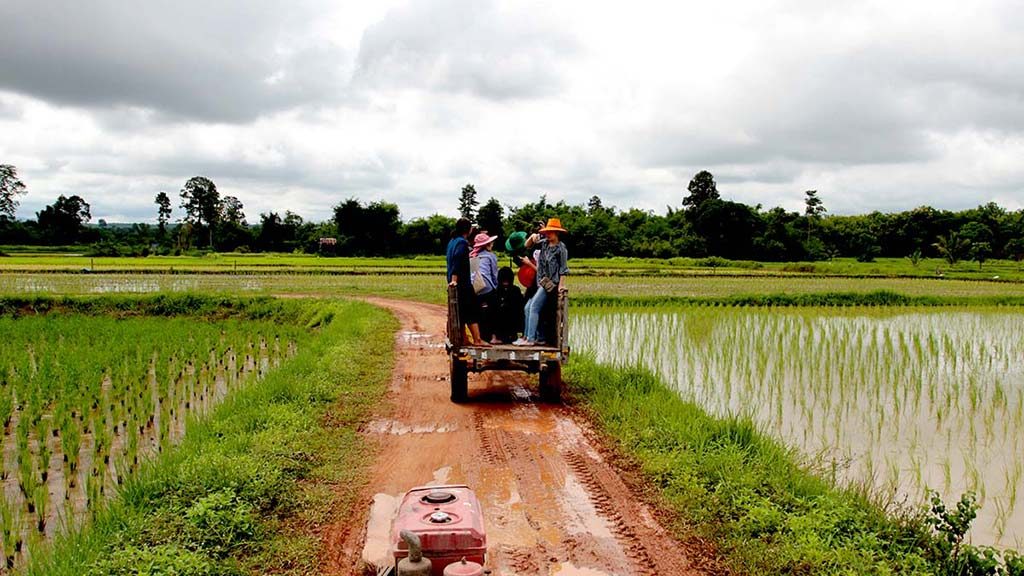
235,496
47,259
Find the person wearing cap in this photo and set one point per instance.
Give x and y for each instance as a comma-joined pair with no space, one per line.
552,268
483,246
459,276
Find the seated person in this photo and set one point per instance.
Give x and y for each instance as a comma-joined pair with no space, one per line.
508,311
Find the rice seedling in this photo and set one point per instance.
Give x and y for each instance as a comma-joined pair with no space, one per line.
910,397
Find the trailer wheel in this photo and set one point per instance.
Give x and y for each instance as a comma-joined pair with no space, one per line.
459,376
551,382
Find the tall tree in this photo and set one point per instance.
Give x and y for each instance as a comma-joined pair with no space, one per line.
594,204
468,202
163,212
490,217
62,221
231,211
271,236
10,188
202,205
351,224
702,189
813,209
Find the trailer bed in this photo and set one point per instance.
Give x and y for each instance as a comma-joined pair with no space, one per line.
512,353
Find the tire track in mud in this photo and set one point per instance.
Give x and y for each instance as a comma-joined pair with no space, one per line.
552,503
608,507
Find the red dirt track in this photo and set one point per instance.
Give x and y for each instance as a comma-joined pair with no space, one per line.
552,502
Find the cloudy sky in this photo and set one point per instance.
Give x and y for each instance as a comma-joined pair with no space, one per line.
877,104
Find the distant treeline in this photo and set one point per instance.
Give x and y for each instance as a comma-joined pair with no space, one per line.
703,225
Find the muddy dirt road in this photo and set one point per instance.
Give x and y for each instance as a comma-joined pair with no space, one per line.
552,504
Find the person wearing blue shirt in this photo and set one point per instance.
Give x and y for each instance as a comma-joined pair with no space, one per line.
458,275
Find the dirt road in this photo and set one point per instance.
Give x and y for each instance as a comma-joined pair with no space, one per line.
552,504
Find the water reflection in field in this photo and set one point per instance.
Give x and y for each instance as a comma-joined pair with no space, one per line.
904,400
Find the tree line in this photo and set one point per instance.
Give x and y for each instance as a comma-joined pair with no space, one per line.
703,225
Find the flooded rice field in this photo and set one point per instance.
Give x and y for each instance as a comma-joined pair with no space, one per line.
903,400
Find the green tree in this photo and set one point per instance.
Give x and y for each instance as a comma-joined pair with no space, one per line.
202,205
10,188
61,222
490,217
232,232
163,212
371,230
348,218
1015,249
232,211
975,232
702,189
952,247
814,209
271,234
468,202
594,204
980,252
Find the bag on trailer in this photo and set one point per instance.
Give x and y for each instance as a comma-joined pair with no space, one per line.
474,274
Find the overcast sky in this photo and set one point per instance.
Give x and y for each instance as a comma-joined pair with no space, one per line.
878,105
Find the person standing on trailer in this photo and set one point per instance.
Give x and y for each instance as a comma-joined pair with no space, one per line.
485,281
552,268
458,275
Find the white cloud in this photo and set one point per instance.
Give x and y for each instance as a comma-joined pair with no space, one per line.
877,105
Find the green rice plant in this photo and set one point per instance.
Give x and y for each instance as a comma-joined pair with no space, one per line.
10,533
41,500
854,382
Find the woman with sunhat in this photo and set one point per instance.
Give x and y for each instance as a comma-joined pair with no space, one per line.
552,268
483,246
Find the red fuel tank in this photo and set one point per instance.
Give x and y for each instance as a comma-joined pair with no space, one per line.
449,522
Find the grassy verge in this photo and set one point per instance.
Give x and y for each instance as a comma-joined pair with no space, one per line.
244,490
759,502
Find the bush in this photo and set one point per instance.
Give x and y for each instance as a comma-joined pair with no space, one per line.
163,560
220,523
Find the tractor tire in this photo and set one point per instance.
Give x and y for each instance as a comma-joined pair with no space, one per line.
459,376
551,383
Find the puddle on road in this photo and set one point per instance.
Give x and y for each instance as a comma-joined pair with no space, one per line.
376,551
421,339
579,511
388,426
441,476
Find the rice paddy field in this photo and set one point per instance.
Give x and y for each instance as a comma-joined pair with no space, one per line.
85,400
429,287
894,400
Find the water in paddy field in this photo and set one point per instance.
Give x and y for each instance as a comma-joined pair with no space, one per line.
903,399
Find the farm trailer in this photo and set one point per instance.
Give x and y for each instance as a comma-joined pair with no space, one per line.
545,361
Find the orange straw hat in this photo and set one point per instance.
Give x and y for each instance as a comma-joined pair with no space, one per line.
554,225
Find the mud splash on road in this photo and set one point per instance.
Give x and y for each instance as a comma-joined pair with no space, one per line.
552,503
